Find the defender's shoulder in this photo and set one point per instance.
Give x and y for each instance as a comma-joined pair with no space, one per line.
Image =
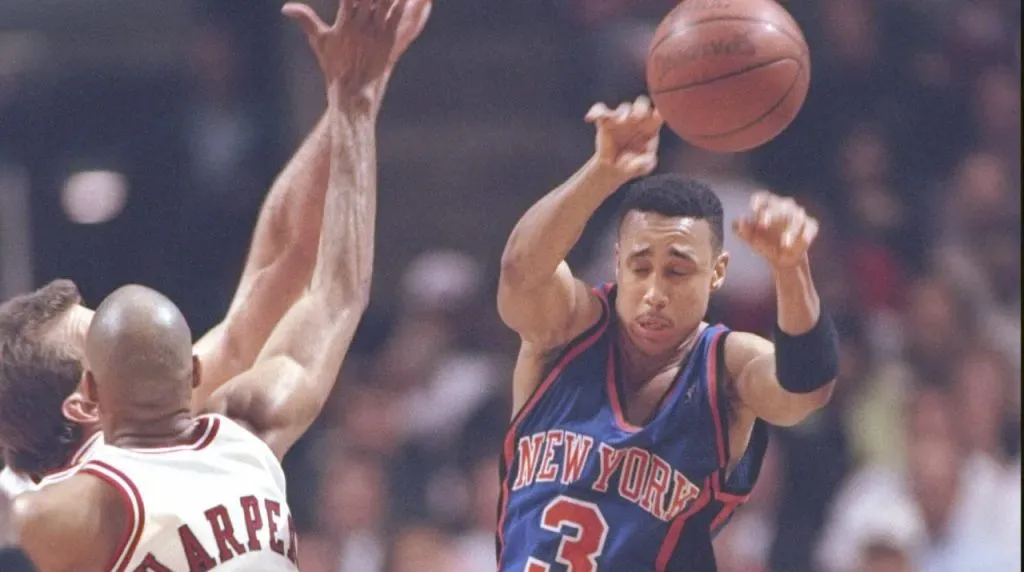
69,524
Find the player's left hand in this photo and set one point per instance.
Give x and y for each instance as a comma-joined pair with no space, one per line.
778,229
356,50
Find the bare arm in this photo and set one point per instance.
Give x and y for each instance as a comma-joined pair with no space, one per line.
278,268
294,373
751,360
283,254
72,526
538,296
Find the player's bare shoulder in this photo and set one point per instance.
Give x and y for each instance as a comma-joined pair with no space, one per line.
549,314
71,524
539,354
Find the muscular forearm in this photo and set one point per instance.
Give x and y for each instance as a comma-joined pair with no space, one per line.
797,299
279,266
291,214
549,230
345,256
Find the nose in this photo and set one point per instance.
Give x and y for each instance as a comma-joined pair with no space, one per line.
655,296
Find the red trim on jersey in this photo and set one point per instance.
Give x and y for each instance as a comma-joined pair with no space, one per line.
204,434
84,448
723,515
675,530
509,448
613,396
210,436
136,511
713,396
730,503
71,467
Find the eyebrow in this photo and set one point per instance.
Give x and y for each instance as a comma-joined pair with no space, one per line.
674,251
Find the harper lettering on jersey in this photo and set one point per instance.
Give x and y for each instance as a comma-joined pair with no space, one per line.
645,479
261,524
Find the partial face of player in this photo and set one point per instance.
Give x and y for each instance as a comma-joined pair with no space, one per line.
46,330
666,271
71,330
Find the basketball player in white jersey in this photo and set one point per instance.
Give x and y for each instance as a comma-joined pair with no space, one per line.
170,491
47,426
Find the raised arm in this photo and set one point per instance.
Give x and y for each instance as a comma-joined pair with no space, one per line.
538,296
294,373
280,263
278,267
784,382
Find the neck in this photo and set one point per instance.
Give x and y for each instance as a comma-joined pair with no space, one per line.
639,367
140,432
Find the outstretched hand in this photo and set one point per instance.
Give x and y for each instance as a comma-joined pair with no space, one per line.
356,50
627,138
778,229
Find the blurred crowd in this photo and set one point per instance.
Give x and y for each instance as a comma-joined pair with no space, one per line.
908,151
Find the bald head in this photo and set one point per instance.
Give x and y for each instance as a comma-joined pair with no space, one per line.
139,349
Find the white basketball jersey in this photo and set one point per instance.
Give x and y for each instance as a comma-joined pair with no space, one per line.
13,484
217,503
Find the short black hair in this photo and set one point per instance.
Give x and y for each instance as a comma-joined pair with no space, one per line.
674,195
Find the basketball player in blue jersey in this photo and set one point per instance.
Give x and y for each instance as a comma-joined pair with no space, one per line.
638,427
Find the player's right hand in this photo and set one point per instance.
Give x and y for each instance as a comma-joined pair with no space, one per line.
627,137
356,50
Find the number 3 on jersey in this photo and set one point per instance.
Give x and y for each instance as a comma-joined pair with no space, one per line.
583,529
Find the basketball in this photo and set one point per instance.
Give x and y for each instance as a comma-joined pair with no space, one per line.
728,75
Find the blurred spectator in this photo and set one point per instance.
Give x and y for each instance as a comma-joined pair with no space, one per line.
423,548
353,512
474,548
936,326
952,517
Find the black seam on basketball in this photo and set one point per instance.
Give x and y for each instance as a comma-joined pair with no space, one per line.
735,73
800,42
760,118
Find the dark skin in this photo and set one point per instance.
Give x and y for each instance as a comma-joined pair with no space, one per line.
76,524
667,268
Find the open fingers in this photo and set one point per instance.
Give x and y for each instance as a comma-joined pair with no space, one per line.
311,24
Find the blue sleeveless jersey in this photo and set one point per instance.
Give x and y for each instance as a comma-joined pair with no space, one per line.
583,489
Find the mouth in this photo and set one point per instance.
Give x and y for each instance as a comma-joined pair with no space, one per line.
653,327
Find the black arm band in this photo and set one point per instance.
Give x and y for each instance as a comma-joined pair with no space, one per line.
809,361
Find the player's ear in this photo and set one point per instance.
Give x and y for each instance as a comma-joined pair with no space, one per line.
719,271
79,409
197,371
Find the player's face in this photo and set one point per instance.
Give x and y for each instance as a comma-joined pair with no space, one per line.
46,329
71,330
666,270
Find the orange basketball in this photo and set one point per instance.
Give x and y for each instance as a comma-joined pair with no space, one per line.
728,75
